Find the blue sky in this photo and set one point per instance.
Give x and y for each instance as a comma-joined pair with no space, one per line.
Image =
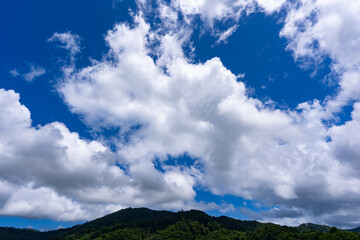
248,109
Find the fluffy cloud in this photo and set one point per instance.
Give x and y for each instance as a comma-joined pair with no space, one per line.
212,10
270,6
316,29
306,27
171,106
177,14
81,178
344,142
244,147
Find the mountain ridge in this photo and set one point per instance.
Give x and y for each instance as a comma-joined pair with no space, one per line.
144,223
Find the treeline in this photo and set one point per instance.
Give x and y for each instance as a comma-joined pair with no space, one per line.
142,223
194,230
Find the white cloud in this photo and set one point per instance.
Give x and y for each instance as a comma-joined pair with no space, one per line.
225,35
209,11
168,15
219,10
345,139
240,76
14,73
246,148
69,41
173,106
271,6
34,72
49,172
322,28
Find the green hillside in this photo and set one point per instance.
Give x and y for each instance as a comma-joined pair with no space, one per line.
143,223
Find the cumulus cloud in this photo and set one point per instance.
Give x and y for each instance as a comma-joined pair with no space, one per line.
49,172
214,10
244,147
176,14
211,10
345,141
316,29
171,106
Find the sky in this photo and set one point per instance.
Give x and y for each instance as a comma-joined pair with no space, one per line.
244,108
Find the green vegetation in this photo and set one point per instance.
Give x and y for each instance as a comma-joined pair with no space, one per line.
142,223
20,234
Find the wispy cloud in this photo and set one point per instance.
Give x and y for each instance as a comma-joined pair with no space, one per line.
225,35
33,72
68,41
115,3
14,73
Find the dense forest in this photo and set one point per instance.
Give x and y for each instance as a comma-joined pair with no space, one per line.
143,223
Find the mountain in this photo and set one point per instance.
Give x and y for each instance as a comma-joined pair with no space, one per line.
21,234
355,230
308,227
143,223
153,221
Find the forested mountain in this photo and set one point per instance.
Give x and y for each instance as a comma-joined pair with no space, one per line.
143,223
355,230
